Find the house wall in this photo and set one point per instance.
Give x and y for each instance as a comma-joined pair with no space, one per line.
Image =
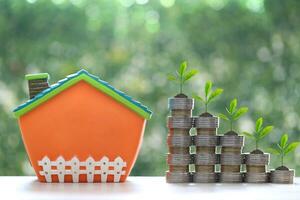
82,121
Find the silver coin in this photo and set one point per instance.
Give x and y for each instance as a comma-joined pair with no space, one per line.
178,177
179,159
206,122
231,177
179,140
205,140
200,177
180,122
180,104
232,141
205,159
282,176
257,159
256,177
231,159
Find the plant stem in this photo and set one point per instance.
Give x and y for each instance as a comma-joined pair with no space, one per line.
281,159
205,103
181,84
256,144
231,125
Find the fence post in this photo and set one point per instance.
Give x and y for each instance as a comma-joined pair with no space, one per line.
118,166
104,164
46,165
60,161
90,167
75,169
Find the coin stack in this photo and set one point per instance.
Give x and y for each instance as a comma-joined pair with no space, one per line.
179,140
231,158
205,141
256,168
282,176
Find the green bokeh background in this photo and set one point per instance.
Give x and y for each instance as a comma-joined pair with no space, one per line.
248,47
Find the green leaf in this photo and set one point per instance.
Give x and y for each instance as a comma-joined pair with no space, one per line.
259,123
241,111
222,116
283,140
171,77
265,131
208,86
198,98
228,111
190,74
214,94
248,135
182,68
273,151
232,105
291,147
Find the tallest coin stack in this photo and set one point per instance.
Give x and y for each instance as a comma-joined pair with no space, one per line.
179,139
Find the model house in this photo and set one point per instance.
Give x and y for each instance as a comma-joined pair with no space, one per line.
80,129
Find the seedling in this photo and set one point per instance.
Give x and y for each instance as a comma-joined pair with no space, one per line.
181,76
233,113
260,132
283,148
209,94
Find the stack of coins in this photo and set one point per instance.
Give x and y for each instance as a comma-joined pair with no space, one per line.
282,176
231,158
205,141
256,168
179,140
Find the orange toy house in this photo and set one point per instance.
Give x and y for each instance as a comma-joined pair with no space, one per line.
80,129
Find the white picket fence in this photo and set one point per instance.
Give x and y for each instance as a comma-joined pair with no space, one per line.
75,168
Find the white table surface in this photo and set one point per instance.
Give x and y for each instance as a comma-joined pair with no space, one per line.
141,188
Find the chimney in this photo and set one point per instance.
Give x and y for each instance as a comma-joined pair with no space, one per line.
37,83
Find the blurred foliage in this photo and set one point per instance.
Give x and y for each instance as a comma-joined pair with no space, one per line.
250,48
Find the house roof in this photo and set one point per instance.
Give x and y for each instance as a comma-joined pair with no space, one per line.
92,80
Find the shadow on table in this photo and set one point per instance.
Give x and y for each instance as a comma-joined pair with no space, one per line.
81,188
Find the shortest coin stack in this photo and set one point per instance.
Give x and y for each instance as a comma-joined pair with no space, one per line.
256,168
205,141
282,176
179,140
231,158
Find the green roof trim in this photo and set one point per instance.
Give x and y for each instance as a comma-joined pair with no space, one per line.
30,77
92,80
